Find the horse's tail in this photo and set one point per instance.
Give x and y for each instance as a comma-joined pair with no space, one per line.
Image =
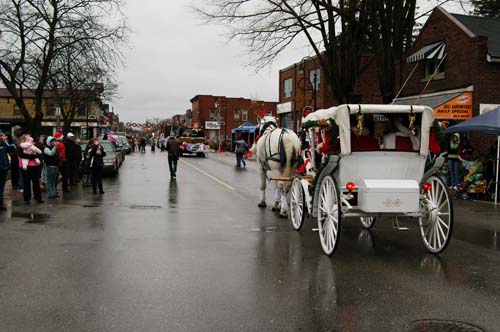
281,149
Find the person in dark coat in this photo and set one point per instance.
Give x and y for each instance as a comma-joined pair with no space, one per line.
96,153
5,149
173,155
71,150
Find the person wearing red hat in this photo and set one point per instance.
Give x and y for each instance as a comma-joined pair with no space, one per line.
63,164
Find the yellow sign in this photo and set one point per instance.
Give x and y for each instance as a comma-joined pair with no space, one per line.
459,108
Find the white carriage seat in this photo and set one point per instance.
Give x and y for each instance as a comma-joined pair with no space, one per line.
380,165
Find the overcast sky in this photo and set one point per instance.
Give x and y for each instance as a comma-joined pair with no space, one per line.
174,57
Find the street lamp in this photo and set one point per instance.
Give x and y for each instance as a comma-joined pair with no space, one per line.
315,80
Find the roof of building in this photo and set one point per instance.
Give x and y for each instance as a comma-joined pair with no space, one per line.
486,27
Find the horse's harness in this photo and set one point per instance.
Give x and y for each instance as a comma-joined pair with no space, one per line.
278,156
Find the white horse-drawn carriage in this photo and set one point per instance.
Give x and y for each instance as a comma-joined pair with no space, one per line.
373,180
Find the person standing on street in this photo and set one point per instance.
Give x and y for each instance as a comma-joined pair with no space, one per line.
71,155
96,153
454,164
51,159
173,155
31,171
63,163
241,150
5,149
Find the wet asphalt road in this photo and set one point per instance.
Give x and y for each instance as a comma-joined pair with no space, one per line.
196,254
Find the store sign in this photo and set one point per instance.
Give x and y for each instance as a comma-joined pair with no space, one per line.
459,108
212,125
284,107
485,108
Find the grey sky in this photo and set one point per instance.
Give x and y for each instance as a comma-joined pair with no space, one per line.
174,56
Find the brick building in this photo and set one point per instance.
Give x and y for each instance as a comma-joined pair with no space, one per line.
207,111
10,115
303,84
466,52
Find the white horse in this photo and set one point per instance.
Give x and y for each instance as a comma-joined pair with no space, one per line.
276,151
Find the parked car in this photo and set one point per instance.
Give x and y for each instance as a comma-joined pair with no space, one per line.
111,160
126,146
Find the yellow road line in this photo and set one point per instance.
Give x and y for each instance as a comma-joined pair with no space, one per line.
208,175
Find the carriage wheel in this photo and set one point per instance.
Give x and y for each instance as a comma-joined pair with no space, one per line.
328,215
436,222
367,222
297,204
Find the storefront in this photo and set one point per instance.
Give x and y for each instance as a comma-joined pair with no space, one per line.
285,115
451,105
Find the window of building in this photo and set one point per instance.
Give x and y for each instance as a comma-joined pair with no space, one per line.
212,115
51,110
82,111
314,77
429,68
244,115
236,115
287,88
17,110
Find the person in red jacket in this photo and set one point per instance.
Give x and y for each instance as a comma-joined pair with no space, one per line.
63,162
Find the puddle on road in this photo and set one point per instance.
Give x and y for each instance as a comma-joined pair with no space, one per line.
32,218
145,207
484,238
265,229
433,325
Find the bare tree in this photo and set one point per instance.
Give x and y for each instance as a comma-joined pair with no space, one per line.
80,79
339,32
34,32
268,27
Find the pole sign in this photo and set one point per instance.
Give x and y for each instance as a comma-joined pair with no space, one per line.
212,125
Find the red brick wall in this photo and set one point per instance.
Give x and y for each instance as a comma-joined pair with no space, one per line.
367,86
465,65
202,104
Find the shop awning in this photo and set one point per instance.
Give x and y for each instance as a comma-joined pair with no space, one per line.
432,101
435,51
451,104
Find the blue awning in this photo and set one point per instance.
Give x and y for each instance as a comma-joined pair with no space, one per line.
246,127
488,122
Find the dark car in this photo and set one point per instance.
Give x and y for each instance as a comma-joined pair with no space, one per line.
111,160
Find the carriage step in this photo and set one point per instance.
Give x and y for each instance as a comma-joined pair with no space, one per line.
395,224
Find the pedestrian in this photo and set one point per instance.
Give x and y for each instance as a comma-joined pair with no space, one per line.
96,153
173,155
40,144
63,163
71,158
51,160
241,150
5,150
143,145
31,173
454,163
78,157
86,170
16,178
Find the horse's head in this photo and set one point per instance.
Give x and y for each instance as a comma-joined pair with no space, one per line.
266,122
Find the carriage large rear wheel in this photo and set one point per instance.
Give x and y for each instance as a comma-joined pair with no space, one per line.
328,215
297,204
436,222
